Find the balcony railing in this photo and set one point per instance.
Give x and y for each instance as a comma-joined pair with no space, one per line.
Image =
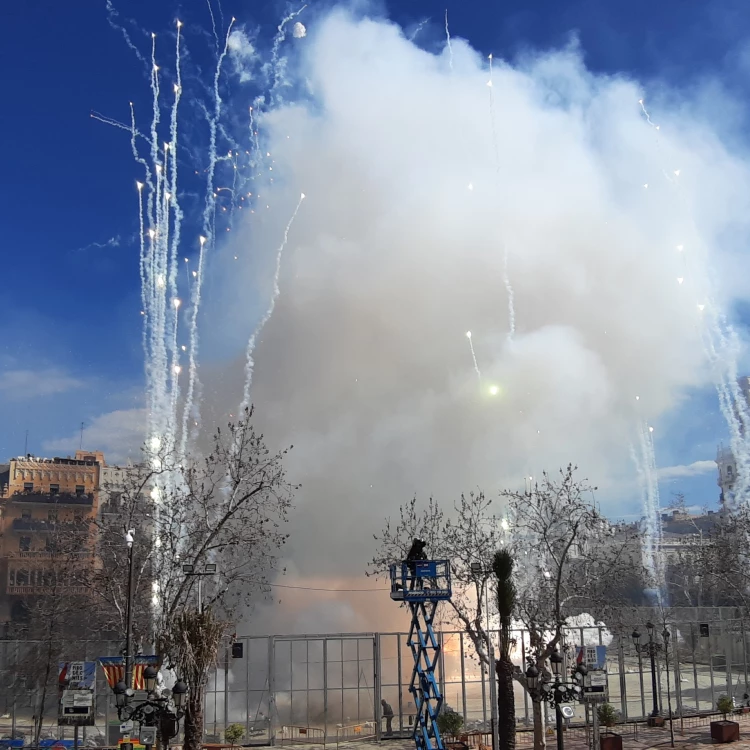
44,554
38,524
58,498
42,590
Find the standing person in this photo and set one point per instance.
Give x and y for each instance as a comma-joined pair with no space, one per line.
388,716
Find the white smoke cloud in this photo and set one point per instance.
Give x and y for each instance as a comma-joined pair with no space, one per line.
687,470
365,365
243,54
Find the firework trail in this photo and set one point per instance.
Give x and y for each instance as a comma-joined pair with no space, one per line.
249,361
473,355
276,65
419,28
213,24
112,14
721,346
506,275
645,464
209,237
448,40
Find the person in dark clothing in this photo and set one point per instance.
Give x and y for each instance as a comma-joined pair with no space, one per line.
388,716
416,552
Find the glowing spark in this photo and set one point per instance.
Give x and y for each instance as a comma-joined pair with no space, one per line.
489,83
650,429
494,390
151,233
176,302
195,273
637,398
701,307
677,173
680,247
155,444
473,355
468,334
680,279
139,185
184,348
504,525
177,369
160,282
203,239
470,186
645,186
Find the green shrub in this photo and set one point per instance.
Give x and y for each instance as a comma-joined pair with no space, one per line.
608,715
725,705
449,722
233,733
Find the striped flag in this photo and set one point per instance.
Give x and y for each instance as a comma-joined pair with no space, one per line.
114,669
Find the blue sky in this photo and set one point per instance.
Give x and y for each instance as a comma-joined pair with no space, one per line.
72,348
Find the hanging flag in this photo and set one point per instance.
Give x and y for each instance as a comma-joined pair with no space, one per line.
114,669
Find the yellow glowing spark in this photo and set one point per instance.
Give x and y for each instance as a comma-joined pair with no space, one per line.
176,302
468,334
156,67
494,390
151,233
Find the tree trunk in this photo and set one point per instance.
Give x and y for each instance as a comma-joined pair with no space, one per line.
540,726
506,706
194,722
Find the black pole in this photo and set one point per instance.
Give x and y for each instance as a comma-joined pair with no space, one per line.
654,687
129,622
559,727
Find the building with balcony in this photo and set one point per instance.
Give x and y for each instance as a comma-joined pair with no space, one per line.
47,509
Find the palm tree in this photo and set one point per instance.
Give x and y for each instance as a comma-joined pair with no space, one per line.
502,568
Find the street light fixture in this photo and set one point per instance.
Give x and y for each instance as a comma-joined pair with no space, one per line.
652,647
209,569
149,677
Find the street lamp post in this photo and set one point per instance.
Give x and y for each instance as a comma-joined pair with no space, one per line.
558,692
209,569
652,648
128,656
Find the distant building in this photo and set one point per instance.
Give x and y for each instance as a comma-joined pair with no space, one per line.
41,499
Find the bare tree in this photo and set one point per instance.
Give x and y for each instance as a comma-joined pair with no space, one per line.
227,508
570,562
473,536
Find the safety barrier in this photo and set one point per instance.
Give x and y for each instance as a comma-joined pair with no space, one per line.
290,735
355,732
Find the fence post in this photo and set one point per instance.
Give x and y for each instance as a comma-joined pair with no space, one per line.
271,690
378,682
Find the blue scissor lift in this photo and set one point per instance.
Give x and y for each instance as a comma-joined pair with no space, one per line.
422,584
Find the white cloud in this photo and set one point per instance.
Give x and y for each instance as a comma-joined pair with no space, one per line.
365,365
689,470
119,434
22,384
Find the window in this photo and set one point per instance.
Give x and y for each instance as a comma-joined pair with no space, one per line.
26,514
54,489
12,577
28,486
24,543
729,472
22,578
80,489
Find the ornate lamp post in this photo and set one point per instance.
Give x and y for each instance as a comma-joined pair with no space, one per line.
557,692
163,711
651,648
